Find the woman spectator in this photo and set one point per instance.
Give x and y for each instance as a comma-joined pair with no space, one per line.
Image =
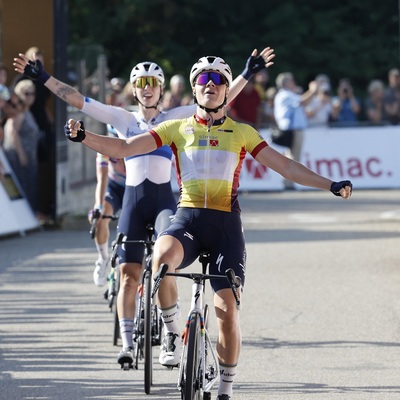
21,136
374,105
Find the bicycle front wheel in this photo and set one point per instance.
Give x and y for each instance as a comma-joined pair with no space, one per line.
148,348
193,374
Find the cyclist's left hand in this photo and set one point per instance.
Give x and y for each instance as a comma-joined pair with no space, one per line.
342,188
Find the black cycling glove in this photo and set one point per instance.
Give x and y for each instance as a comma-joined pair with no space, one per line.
35,71
253,65
80,134
337,186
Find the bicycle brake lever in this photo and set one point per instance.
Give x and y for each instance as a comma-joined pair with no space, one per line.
235,283
158,277
115,244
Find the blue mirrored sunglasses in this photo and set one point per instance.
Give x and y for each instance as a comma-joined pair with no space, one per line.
205,77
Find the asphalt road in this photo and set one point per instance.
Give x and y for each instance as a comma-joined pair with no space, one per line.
320,317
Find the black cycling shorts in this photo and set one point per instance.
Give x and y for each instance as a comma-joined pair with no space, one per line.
219,232
147,203
114,195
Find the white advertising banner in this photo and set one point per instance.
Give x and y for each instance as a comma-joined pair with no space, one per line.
368,156
16,216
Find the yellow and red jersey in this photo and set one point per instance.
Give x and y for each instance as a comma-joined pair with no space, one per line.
209,161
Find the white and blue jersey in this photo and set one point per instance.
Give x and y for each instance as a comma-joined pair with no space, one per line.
148,196
155,166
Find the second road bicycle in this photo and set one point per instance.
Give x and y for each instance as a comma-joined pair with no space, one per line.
147,329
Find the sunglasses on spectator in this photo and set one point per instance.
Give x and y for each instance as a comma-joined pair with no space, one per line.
215,77
143,82
29,93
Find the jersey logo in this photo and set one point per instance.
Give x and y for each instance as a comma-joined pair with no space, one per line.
189,130
188,235
219,261
214,143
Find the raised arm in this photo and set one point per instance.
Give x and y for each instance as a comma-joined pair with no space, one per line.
254,64
34,70
297,172
109,146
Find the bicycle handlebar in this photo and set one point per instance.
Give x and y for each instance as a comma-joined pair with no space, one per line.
234,281
121,238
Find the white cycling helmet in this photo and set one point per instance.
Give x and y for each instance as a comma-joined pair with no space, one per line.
211,63
147,68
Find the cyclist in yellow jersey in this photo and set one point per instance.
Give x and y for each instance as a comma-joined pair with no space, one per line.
209,149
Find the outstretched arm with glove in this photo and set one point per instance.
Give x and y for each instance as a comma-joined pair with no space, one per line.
109,146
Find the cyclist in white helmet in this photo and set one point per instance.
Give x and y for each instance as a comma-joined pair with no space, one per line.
148,196
209,149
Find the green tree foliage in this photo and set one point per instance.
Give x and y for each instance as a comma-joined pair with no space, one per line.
358,40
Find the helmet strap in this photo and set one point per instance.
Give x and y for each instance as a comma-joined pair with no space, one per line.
209,110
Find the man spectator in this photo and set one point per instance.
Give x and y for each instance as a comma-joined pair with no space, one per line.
319,109
391,99
289,110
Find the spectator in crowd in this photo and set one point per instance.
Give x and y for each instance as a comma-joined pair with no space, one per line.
21,135
324,79
46,147
128,95
374,106
319,109
289,112
391,99
4,96
261,80
346,107
175,96
3,74
115,95
268,117
246,107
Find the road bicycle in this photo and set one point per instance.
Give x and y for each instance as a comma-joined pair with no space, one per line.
147,329
95,218
199,367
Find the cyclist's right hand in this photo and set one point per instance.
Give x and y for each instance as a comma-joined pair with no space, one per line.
74,130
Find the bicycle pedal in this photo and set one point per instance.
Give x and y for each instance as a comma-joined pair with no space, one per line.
126,366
